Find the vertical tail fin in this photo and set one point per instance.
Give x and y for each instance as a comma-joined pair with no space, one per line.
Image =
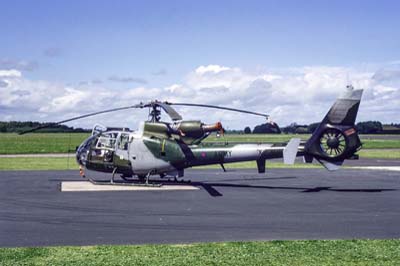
290,151
336,138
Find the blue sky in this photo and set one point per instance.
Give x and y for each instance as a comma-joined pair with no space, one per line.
122,45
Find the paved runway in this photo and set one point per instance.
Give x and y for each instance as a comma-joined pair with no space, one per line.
237,205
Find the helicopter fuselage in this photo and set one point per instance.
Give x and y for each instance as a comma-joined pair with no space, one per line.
143,152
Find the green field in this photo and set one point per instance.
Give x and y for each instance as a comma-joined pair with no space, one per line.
40,163
63,163
63,142
380,153
369,142
317,252
381,143
40,142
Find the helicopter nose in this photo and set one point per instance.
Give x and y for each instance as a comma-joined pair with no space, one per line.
81,156
83,150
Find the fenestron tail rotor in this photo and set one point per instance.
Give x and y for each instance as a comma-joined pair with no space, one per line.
333,143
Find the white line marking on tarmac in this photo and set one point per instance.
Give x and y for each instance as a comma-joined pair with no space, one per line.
76,186
387,168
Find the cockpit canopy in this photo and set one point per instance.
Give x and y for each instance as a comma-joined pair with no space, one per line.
102,145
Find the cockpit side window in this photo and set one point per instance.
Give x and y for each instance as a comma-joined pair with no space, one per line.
106,141
123,142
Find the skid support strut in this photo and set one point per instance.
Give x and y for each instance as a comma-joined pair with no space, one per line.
122,183
147,178
113,174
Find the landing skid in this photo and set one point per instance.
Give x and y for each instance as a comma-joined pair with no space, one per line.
177,181
127,181
140,181
124,183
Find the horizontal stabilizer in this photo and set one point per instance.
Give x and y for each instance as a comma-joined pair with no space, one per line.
290,151
331,166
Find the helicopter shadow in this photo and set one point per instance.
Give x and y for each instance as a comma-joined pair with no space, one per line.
211,188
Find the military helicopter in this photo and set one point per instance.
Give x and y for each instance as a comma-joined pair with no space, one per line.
167,148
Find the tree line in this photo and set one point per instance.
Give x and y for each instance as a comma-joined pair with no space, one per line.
366,127
18,126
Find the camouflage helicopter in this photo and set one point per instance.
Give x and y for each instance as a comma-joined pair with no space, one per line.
166,149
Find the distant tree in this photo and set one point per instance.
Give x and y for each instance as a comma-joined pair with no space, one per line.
3,128
312,127
271,128
301,130
233,131
390,129
369,127
247,130
19,126
290,129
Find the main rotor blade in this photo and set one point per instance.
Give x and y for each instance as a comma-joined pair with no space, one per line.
80,117
170,111
220,107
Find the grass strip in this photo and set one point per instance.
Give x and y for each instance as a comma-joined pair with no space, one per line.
311,252
41,163
380,154
63,163
11,143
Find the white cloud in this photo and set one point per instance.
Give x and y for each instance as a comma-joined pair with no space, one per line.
301,95
178,90
12,73
380,90
214,69
67,102
142,93
18,64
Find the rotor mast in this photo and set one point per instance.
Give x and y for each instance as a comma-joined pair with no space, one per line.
154,113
